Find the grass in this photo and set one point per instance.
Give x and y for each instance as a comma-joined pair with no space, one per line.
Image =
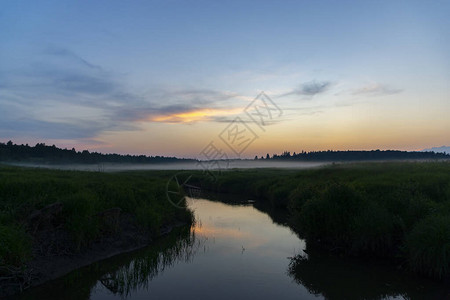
427,246
395,210
15,246
142,195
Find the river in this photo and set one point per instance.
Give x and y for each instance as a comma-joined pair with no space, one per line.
234,251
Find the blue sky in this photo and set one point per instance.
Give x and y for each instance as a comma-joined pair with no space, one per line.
165,77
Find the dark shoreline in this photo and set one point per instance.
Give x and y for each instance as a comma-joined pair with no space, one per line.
47,268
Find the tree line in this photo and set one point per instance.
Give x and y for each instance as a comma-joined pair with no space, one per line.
351,155
42,153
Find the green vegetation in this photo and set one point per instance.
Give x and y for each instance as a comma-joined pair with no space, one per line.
398,211
14,247
36,201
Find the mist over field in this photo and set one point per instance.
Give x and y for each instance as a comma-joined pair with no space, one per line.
204,165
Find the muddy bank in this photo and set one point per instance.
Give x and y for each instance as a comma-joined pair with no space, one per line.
55,254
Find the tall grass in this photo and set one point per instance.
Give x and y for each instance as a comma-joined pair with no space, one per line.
14,247
141,195
427,246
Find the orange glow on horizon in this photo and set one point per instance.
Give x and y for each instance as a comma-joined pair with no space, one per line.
195,115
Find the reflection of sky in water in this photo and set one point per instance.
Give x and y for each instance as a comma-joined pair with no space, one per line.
243,229
243,255
235,252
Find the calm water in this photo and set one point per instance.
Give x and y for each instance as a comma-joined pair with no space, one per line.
235,251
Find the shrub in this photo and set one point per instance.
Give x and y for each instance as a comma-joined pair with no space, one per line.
278,194
330,217
300,195
376,231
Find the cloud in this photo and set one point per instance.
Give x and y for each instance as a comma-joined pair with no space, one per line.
224,119
196,115
180,106
62,95
376,89
310,89
314,88
50,130
65,53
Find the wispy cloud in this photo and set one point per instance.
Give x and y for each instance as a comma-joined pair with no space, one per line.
63,95
376,89
66,53
244,119
180,106
310,89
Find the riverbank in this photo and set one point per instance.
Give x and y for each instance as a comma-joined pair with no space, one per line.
53,221
394,211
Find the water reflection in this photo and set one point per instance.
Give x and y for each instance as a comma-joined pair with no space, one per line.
123,274
341,278
237,250
137,273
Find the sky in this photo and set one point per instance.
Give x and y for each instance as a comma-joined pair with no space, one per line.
235,78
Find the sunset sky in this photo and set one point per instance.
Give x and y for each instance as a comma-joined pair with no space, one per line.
170,77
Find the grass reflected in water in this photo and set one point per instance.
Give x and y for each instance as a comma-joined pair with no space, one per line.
123,274
337,278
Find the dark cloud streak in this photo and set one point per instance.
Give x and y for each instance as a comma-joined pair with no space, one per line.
310,89
65,53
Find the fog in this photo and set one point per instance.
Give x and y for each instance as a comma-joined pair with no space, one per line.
203,165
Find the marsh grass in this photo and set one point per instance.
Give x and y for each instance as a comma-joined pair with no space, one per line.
15,246
427,246
82,195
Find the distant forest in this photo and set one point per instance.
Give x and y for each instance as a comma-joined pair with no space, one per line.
351,155
42,153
